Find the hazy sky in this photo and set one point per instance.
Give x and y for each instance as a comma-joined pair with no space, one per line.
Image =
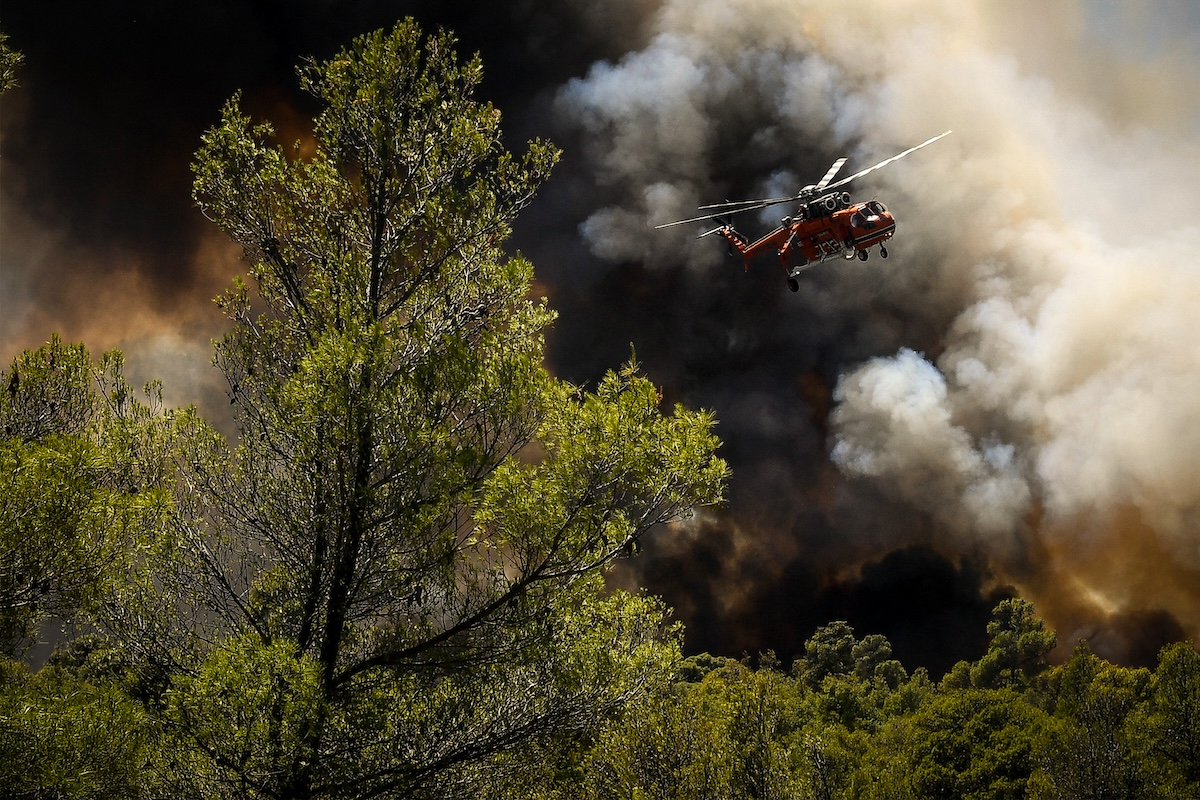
1010,404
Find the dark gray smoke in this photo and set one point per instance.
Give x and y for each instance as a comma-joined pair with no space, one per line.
1020,385
1008,404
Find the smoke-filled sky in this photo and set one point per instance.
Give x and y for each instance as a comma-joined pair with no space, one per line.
1010,404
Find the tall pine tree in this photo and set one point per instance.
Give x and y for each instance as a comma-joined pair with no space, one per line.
393,584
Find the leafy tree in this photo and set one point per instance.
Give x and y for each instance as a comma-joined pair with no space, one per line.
10,61
1017,649
693,669
63,736
873,662
766,719
734,734
973,744
48,391
854,683
833,650
1093,749
81,486
830,756
77,479
672,744
407,545
829,651
1173,722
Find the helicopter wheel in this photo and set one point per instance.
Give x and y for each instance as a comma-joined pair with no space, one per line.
793,284
863,255
883,253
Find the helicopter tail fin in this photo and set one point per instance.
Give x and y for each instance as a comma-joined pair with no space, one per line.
736,241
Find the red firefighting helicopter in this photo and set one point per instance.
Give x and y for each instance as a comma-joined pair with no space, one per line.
826,223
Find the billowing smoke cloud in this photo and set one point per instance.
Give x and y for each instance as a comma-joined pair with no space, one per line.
894,424
1008,404
99,237
1024,376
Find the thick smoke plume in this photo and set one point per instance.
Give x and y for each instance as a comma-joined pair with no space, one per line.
1024,376
1010,404
99,237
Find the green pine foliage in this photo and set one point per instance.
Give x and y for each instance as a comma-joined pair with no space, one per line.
82,482
392,583
841,727
10,63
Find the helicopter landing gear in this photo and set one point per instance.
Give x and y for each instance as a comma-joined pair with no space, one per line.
863,255
883,253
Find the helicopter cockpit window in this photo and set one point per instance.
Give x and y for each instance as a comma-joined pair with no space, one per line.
877,207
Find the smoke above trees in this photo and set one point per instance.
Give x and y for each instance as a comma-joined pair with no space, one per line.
1008,405
1024,377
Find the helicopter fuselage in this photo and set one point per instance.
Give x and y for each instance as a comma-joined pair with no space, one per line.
826,224
822,228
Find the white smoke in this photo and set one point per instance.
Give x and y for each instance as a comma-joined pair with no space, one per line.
895,424
1055,230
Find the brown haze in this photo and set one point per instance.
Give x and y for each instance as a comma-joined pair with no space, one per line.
1010,404
1041,406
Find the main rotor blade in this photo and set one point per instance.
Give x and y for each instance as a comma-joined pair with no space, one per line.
764,202
705,218
757,205
821,184
769,201
887,161
740,206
